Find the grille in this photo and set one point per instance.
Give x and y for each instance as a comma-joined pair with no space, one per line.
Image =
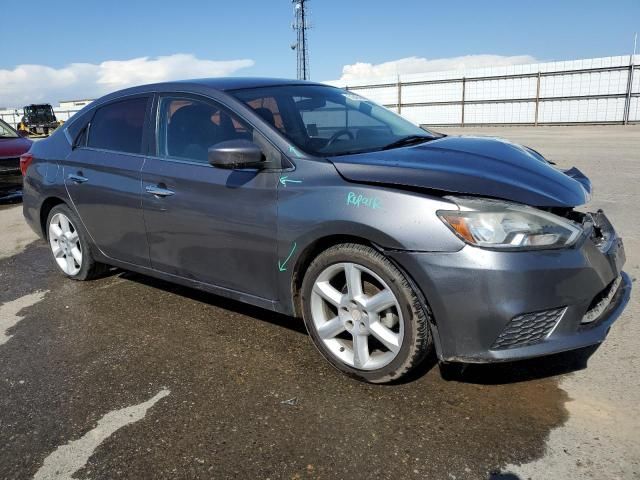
528,329
9,165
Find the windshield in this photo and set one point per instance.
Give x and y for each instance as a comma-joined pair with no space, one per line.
6,131
328,121
40,111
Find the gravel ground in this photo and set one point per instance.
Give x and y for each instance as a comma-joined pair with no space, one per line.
130,377
600,438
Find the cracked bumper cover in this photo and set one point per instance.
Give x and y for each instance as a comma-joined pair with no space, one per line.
475,293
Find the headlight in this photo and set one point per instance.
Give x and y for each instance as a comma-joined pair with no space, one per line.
508,226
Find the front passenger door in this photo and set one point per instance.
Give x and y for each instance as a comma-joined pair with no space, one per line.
204,223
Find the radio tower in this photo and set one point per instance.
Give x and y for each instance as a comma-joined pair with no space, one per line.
301,25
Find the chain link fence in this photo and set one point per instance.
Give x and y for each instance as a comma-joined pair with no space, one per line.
593,91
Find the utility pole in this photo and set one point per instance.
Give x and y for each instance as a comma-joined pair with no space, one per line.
632,67
301,25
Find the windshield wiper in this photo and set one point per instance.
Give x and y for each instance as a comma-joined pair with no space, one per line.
408,140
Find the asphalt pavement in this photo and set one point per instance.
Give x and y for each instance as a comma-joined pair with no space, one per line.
131,377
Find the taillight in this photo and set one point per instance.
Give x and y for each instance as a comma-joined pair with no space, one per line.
25,161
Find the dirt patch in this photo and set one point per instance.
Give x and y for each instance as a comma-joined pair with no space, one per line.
16,234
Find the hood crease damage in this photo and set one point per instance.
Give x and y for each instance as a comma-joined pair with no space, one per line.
480,166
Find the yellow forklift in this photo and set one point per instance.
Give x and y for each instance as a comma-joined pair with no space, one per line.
39,120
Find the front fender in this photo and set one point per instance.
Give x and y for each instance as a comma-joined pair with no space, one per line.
316,203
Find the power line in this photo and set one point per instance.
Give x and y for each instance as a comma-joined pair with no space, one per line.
301,25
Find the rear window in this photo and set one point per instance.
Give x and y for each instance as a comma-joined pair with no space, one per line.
119,126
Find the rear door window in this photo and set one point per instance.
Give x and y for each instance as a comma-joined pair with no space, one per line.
119,126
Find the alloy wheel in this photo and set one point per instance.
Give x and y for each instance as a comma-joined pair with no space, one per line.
65,244
357,316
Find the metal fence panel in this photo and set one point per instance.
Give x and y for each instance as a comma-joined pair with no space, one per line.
501,89
444,92
520,112
596,90
593,110
634,110
439,114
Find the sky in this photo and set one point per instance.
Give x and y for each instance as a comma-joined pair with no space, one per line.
72,49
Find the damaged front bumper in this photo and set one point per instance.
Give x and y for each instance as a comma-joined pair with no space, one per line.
498,305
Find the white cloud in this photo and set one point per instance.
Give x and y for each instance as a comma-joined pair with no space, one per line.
38,83
368,71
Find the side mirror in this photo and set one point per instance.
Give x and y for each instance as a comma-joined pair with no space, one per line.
236,154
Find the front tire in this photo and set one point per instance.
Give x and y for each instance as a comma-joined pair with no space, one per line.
363,315
69,245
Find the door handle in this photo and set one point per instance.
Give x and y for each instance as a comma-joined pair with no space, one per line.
159,191
77,178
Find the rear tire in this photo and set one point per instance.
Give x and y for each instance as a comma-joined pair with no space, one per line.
363,315
69,245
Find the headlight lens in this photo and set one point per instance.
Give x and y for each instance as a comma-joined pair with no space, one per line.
507,226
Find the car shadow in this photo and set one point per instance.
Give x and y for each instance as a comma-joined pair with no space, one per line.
481,374
214,300
513,476
519,371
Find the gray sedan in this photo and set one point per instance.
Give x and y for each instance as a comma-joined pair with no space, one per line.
387,239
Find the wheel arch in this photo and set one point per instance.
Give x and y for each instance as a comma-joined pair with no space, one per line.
45,209
315,248
310,252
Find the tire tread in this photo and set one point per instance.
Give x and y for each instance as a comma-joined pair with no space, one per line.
422,342
90,269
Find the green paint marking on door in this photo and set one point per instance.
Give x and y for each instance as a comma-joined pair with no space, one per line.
293,150
285,179
282,266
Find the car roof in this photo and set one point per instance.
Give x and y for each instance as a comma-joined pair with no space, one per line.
224,84
236,83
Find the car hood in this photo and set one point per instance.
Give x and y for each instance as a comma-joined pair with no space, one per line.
482,166
14,147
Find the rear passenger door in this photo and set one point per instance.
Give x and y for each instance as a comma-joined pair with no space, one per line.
208,224
103,174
